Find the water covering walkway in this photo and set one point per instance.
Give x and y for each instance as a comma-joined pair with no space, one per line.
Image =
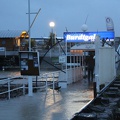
51,106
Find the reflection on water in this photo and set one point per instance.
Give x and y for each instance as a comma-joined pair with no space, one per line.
58,106
4,74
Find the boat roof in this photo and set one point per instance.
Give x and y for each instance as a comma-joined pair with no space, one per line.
10,33
85,47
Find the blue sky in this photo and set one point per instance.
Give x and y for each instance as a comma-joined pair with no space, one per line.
65,13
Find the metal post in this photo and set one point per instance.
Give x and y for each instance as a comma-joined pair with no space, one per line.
74,67
97,46
46,83
29,25
53,84
23,89
8,88
84,64
30,87
77,67
52,36
36,81
94,87
66,62
5,51
70,58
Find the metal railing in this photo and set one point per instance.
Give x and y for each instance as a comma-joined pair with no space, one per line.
117,59
8,82
46,80
49,79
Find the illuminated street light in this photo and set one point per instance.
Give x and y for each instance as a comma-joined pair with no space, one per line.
52,24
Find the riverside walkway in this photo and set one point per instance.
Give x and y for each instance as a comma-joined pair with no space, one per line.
55,105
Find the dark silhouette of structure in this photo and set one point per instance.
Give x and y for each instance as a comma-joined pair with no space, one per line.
90,62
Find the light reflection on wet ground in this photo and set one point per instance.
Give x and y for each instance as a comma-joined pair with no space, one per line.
4,74
58,106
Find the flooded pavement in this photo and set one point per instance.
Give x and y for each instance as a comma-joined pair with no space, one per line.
4,74
55,105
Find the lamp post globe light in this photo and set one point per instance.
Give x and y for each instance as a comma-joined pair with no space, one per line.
52,25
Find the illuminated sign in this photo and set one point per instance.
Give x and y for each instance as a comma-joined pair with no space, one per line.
87,36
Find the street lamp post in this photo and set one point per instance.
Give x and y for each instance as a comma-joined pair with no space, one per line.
52,25
84,28
30,87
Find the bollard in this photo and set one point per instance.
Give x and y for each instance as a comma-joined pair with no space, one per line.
94,87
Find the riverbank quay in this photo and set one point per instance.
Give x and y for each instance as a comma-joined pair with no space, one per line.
53,105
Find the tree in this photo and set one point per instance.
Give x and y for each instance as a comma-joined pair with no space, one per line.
51,40
33,43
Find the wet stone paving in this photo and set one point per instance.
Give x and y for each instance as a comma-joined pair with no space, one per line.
54,105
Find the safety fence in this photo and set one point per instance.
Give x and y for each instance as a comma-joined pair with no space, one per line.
6,87
16,86
72,75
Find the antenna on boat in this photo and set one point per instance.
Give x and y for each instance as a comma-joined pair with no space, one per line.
86,19
66,29
84,27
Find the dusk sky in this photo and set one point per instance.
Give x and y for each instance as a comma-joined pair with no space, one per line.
65,13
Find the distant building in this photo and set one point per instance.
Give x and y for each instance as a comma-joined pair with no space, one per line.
12,40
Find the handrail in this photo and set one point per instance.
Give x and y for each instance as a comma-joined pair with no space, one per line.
8,82
117,57
46,76
6,79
